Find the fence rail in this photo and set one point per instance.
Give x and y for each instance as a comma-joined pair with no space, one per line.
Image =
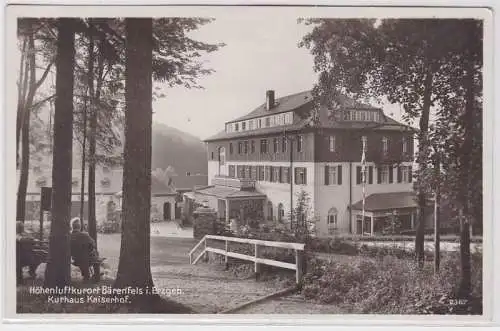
258,260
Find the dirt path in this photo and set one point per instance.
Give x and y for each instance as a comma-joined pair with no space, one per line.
207,288
292,304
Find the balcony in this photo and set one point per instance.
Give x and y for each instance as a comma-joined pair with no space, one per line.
244,184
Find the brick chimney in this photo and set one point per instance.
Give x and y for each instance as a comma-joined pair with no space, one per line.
269,99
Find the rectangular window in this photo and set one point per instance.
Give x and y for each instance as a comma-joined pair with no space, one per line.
268,122
267,173
405,145
385,145
263,146
358,175
285,178
300,141
245,147
240,147
384,179
231,171
236,127
254,172
252,146
363,115
230,148
331,143
248,172
260,173
405,178
259,123
275,145
300,176
370,175
283,144
277,174
243,126
331,177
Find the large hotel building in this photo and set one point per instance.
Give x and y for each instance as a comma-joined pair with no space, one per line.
260,162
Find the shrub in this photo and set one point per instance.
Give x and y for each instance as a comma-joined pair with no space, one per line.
393,286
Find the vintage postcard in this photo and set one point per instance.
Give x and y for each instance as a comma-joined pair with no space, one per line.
328,163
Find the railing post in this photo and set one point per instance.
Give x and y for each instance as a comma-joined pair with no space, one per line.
257,265
299,261
226,264
205,257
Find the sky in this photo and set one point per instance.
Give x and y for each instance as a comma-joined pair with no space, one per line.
260,54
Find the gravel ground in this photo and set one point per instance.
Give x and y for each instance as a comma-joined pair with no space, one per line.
207,288
293,304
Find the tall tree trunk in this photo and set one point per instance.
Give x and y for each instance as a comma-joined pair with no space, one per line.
58,272
437,221
92,228
422,161
134,266
465,196
22,87
25,140
95,100
84,156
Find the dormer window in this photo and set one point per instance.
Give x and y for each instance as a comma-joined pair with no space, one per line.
243,126
331,143
41,181
361,115
236,127
105,182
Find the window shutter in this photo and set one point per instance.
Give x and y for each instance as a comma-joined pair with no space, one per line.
305,176
358,175
399,174
391,174
339,175
410,175
295,175
379,175
327,181
370,175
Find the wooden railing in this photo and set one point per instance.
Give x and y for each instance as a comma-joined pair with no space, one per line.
258,260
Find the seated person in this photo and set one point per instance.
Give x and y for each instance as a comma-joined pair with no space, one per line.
25,255
83,250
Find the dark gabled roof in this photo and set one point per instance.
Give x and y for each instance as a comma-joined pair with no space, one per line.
229,192
295,101
388,201
301,102
184,182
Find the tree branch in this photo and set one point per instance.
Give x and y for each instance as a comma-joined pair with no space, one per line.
44,75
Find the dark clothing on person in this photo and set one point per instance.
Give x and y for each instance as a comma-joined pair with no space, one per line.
25,245
84,252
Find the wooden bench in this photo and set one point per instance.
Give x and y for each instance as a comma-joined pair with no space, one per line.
30,253
94,268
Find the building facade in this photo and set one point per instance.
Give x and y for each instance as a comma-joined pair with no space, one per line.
165,202
283,152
